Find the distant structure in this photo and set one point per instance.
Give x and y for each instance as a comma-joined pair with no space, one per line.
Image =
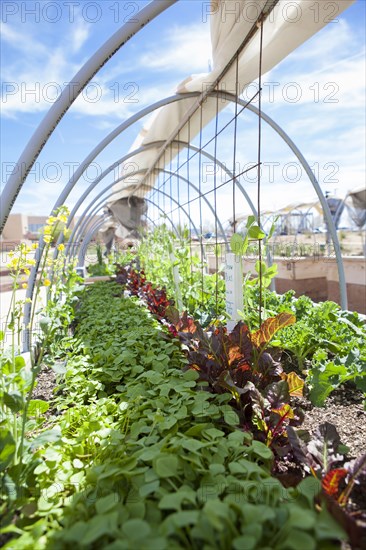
24,228
21,227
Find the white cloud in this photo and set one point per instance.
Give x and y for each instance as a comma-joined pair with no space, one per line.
337,39
21,41
187,49
80,34
45,71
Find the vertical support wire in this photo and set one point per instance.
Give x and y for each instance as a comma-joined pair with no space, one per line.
170,177
164,198
189,198
150,183
235,138
259,170
215,208
200,200
178,182
164,180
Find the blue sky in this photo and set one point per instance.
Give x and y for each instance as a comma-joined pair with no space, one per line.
317,94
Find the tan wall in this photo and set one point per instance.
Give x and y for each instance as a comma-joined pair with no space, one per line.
15,227
316,289
37,219
356,295
317,278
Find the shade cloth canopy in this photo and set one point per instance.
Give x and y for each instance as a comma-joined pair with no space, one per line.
287,25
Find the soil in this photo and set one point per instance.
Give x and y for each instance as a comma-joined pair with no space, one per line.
344,408
46,383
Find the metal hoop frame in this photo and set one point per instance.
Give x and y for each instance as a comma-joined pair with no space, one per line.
75,234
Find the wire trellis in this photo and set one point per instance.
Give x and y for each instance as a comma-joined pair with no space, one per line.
210,183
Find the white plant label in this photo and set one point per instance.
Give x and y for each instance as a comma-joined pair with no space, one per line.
234,288
176,279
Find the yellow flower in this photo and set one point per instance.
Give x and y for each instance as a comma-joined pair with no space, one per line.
27,271
11,253
35,246
51,220
47,239
24,285
27,301
46,282
61,247
32,262
47,230
62,218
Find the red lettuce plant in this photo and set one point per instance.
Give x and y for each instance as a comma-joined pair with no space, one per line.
135,282
238,363
320,455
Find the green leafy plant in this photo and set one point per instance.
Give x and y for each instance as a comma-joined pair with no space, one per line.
141,455
21,415
199,293
327,344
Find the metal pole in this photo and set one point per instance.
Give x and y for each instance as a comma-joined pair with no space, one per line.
148,200
67,97
86,219
121,179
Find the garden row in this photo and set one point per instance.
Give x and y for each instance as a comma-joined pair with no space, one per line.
326,344
168,432
140,454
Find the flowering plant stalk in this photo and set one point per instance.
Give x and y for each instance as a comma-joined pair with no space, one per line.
18,379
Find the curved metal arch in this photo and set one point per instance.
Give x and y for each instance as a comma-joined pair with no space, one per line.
304,163
162,192
77,244
68,96
275,126
145,148
74,234
87,161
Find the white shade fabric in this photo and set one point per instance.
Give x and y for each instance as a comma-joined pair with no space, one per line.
288,25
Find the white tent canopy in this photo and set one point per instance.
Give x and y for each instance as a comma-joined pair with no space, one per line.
286,26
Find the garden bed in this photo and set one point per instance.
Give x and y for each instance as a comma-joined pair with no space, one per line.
146,430
138,455
344,409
